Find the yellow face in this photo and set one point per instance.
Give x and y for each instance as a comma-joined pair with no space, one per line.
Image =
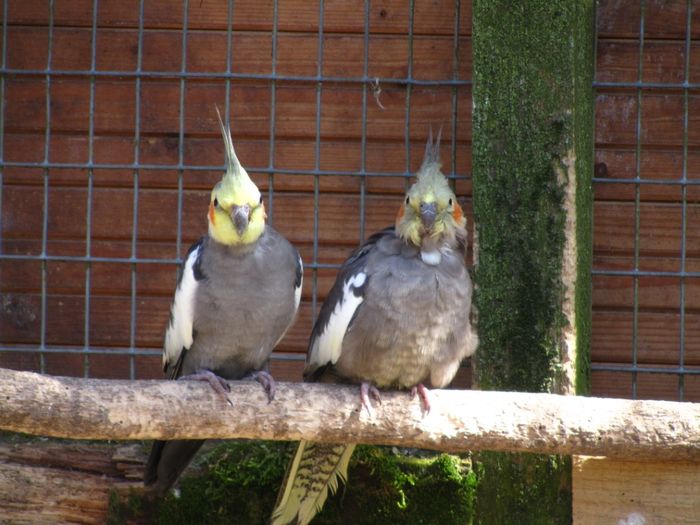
236,212
430,209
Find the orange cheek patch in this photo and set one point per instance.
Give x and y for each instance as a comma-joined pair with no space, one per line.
457,213
399,214
212,217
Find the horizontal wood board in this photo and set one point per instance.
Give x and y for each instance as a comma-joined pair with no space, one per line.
630,492
136,121
648,226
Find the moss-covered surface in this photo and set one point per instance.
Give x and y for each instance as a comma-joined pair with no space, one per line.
419,488
238,482
523,489
584,126
526,61
533,115
127,509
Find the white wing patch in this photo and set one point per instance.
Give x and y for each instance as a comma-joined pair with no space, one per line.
432,258
328,345
179,333
297,290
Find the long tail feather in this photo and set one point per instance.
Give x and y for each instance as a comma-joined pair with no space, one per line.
167,461
314,469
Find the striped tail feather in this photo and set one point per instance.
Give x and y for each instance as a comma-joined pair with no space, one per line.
315,468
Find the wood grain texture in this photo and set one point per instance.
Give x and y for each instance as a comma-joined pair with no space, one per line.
662,61
386,16
657,337
163,144
659,114
628,492
458,421
251,52
649,385
250,102
294,149
66,483
662,19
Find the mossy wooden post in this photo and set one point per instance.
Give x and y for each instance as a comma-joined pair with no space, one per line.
532,166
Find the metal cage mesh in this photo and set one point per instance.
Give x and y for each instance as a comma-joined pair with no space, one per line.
645,187
108,110
124,70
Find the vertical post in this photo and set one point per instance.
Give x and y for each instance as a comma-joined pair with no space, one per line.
532,169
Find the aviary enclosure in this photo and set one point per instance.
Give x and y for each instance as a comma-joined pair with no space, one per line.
109,147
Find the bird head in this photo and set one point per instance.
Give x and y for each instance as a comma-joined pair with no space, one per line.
236,210
430,215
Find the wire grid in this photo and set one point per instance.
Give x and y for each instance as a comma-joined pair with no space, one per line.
635,369
136,261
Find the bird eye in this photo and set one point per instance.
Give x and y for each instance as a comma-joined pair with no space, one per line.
216,202
261,199
450,201
408,200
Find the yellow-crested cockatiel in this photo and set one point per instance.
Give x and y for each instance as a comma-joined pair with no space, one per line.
398,316
237,295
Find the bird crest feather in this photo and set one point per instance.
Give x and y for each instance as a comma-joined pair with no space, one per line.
236,175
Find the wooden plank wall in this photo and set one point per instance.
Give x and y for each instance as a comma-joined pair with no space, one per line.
660,210
658,332
112,206
629,492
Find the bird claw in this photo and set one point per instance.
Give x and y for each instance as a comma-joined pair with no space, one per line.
219,384
267,381
368,391
424,395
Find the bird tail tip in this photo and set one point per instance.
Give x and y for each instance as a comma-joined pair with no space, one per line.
314,470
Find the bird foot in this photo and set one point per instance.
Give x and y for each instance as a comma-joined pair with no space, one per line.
219,384
424,395
267,381
368,391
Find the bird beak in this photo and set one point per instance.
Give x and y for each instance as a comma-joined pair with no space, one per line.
240,216
428,211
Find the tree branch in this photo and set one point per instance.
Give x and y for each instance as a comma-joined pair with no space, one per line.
459,420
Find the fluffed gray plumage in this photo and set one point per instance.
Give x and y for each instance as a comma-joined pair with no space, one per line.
398,316
238,293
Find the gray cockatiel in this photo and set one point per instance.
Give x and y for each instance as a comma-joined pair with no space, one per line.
396,317
237,295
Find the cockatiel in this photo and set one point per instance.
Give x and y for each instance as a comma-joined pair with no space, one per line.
237,295
396,317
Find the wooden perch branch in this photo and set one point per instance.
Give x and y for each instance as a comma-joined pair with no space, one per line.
459,420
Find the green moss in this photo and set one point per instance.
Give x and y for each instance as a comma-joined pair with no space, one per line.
131,508
524,123
238,483
533,113
584,101
387,486
523,489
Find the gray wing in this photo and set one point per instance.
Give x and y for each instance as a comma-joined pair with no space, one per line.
168,459
340,308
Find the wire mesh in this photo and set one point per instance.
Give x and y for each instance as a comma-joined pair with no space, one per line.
33,310
658,346
138,264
